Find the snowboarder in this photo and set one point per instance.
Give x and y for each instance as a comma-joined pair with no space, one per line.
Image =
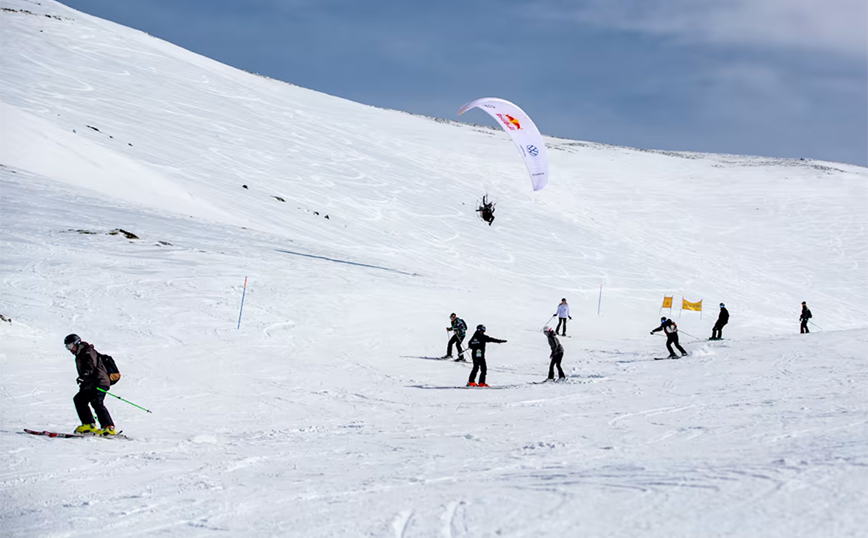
671,329
486,210
477,349
804,317
563,314
722,319
92,375
459,329
556,355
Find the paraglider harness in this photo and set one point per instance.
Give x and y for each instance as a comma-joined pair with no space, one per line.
486,210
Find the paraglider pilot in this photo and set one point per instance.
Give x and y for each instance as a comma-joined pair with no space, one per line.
486,210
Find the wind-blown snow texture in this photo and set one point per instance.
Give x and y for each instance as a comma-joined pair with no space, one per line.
317,417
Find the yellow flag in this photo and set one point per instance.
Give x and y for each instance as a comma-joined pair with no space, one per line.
667,302
687,305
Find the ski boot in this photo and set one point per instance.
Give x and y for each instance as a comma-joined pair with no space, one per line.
108,431
471,384
86,428
482,385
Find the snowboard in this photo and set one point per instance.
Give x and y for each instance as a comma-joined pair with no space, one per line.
60,435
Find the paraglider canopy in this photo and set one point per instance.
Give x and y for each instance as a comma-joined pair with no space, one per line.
524,133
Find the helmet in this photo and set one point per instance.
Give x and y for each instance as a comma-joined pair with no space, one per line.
549,330
452,315
721,305
71,340
662,319
480,328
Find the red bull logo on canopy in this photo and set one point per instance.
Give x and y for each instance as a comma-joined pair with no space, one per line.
509,122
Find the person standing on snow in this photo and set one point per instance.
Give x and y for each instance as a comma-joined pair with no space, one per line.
671,329
804,317
722,319
459,329
563,314
556,356
92,375
477,349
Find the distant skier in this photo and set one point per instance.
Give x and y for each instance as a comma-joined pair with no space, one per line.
486,210
722,319
477,349
804,317
563,314
556,356
459,329
671,329
92,374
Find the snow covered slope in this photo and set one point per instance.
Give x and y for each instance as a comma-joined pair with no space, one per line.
356,230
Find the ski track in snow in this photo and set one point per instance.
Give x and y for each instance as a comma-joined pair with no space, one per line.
309,420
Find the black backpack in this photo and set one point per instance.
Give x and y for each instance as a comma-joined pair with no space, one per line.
110,367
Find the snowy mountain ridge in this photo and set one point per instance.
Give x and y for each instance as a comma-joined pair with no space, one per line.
356,231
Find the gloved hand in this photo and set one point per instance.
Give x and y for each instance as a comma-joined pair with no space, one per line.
652,332
78,380
448,328
571,317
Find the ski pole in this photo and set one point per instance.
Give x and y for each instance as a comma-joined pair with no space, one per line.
121,399
547,321
815,325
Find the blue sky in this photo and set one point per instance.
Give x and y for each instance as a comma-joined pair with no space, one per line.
783,78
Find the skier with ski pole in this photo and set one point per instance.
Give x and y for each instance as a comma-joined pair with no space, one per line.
670,328
93,381
459,330
556,356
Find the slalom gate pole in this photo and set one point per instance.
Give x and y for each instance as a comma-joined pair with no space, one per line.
121,399
243,292
600,301
547,321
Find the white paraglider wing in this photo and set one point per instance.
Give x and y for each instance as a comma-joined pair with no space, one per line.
524,134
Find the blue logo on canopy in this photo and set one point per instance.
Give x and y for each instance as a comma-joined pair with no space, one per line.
532,150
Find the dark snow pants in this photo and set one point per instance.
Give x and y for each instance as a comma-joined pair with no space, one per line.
717,330
556,361
564,322
95,399
454,340
673,339
805,326
478,366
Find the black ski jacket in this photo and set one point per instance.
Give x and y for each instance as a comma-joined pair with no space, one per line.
668,327
806,314
478,341
459,327
723,318
91,370
554,343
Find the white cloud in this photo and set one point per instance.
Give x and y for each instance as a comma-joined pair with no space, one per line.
839,26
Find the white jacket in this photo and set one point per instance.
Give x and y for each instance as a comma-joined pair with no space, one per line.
563,310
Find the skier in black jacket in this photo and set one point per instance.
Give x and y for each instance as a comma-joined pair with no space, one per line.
556,356
459,329
804,317
92,375
722,319
671,329
477,349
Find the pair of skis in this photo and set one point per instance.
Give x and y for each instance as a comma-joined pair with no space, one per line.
60,435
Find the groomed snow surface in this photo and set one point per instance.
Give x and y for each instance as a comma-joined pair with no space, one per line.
320,416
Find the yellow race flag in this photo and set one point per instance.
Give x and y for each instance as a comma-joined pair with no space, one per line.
687,305
667,302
